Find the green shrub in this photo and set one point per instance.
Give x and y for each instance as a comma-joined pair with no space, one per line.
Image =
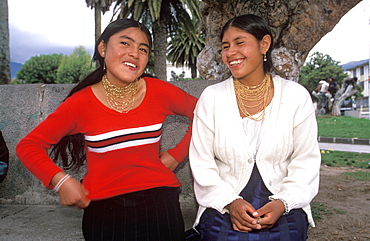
74,67
40,69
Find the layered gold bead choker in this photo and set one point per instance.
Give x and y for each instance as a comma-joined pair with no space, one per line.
120,99
258,95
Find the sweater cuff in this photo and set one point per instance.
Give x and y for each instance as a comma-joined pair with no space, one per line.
47,181
179,158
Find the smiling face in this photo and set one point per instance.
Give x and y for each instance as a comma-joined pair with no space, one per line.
126,55
243,54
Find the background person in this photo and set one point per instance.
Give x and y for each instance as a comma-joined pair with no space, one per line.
349,81
4,158
333,87
324,90
254,153
114,119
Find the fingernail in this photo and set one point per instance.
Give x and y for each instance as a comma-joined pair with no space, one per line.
255,214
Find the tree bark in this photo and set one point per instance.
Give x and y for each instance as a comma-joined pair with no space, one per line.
296,25
4,43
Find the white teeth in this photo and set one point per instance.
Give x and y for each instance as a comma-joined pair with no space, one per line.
130,64
236,62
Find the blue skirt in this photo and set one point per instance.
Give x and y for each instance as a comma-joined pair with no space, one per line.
215,226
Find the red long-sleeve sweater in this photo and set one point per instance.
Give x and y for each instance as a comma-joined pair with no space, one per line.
122,149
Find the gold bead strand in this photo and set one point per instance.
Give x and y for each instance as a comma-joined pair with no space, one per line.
258,93
116,95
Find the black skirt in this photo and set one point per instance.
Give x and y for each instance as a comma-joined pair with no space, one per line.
149,215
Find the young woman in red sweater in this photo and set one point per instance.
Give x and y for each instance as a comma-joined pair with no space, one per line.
113,119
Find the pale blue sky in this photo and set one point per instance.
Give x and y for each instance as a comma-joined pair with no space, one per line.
350,38
34,31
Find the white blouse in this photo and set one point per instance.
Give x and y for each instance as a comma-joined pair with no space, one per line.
252,128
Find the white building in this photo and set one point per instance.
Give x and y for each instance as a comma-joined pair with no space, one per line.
183,72
361,70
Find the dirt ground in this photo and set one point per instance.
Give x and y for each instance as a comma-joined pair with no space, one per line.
349,202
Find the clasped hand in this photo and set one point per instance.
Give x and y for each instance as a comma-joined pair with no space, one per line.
244,217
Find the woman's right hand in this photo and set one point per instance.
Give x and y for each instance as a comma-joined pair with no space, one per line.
239,211
72,193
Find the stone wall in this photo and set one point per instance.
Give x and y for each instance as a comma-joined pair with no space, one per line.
22,107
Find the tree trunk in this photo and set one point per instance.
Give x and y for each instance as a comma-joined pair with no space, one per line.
193,69
4,44
296,25
160,49
339,97
333,106
97,21
160,34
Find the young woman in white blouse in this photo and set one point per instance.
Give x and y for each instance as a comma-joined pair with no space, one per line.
254,152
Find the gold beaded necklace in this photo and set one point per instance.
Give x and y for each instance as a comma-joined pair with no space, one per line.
258,93
120,99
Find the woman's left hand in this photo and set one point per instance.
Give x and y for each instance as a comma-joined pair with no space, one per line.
269,213
168,160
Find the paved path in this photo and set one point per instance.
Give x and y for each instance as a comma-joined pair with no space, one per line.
345,147
40,222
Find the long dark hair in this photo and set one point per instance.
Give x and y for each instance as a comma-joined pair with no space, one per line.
71,149
256,26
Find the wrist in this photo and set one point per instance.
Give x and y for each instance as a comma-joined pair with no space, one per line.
284,204
61,181
228,206
55,179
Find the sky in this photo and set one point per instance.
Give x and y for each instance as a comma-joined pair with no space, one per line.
54,26
50,26
350,38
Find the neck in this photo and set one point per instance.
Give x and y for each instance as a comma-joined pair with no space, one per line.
119,83
252,80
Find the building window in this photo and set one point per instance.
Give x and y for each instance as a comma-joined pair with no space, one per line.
362,70
362,84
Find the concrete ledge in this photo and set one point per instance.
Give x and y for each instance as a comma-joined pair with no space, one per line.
361,141
340,140
25,106
325,139
353,113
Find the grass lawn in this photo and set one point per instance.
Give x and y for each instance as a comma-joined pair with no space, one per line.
334,158
343,126
347,127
